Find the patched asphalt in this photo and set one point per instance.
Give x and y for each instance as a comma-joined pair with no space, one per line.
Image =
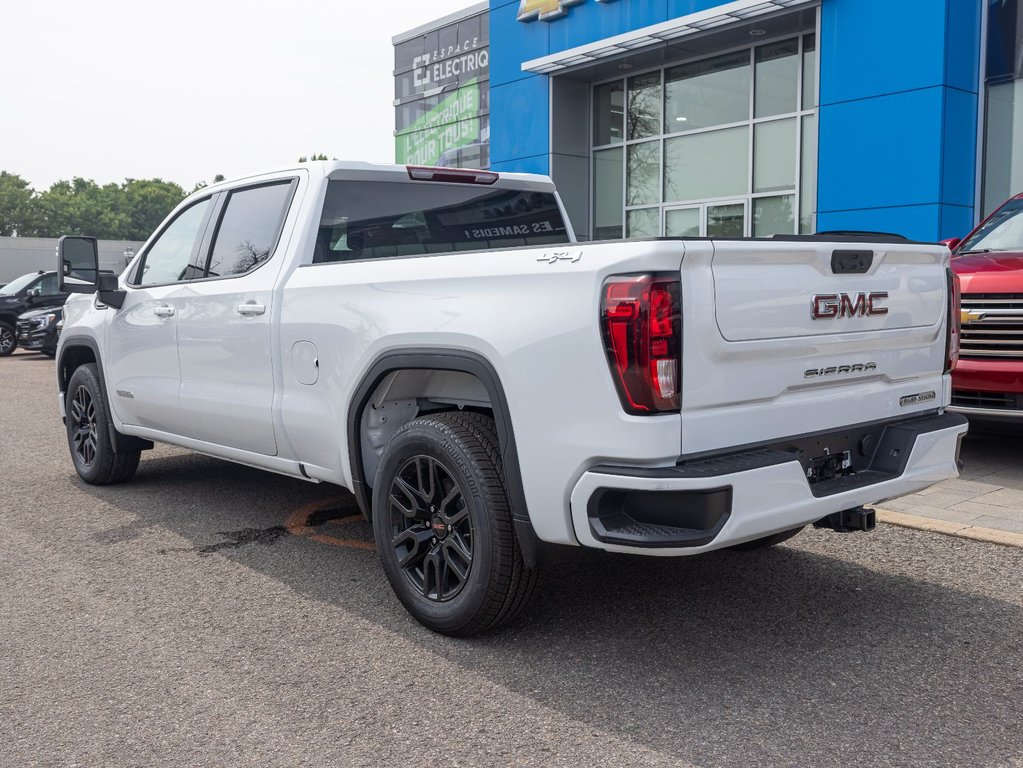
211,614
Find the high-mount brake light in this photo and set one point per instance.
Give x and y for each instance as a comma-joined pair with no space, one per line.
641,320
954,330
451,175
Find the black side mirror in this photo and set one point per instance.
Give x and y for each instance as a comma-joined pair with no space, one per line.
109,291
77,264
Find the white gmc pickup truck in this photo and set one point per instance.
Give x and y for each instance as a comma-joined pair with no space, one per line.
436,341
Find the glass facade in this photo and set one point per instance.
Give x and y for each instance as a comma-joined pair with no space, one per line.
1003,116
442,95
722,146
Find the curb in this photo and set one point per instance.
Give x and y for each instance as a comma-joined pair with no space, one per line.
948,528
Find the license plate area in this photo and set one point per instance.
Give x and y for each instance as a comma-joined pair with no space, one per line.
828,467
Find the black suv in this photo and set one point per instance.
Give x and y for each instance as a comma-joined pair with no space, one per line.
39,330
36,290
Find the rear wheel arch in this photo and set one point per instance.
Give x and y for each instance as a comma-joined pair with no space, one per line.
452,361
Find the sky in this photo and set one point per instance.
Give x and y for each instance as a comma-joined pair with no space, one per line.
184,90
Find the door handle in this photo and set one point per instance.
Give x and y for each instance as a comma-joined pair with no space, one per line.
163,311
251,309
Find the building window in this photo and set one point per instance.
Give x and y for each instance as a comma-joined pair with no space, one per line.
724,146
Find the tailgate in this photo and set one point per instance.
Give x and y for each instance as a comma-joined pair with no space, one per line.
789,338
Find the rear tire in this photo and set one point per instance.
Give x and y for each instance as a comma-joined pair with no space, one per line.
89,432
8,339
443,525
767,541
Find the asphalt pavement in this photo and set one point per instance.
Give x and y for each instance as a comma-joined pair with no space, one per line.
210,614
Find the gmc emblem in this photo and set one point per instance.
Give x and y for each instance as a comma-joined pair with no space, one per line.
825,305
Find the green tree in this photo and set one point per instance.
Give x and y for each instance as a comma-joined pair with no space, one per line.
320,156
145,203
79,206
15,203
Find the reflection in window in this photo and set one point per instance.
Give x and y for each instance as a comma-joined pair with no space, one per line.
1003,146
167,259
706,165
608,113
808,175
707,93
248,228
607,196
644,117
644,222
776,76
726,220
705,140
1002,232
774,216
644,173
809,72
382,219
682,222
774,156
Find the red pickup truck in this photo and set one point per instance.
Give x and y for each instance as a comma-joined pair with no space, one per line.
987,383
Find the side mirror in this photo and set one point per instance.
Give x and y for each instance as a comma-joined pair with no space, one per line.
34,292
952,242
77,264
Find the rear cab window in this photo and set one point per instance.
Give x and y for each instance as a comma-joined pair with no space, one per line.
385,219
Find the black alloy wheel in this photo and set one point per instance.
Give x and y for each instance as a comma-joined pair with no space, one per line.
432,533
443,525
8,339
91,436
82,426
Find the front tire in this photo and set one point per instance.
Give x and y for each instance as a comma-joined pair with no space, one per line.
89,432
443,525
8,339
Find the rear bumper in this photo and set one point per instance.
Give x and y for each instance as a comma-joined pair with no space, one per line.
717,502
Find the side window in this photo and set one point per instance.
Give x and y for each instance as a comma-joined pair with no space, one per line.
249,228
48,285
167,261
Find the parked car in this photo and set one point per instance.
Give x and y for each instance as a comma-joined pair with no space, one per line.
39,330
987,383
36,290
437,341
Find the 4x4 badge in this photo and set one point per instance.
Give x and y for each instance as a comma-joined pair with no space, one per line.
555,256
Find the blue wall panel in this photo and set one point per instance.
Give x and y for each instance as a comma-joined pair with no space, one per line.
513,42
962,43
917,222
535,164
875,47
592,21
880,152
959,160
523,126
898,116
678,8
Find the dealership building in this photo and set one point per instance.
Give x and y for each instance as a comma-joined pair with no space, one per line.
747,117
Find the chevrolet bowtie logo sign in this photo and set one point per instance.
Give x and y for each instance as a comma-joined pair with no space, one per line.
545,10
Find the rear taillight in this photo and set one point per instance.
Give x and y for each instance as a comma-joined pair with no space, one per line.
641,319
954,322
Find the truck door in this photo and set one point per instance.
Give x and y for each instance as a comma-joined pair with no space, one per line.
224,327
141,362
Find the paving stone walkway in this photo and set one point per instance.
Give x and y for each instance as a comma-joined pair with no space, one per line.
988,494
